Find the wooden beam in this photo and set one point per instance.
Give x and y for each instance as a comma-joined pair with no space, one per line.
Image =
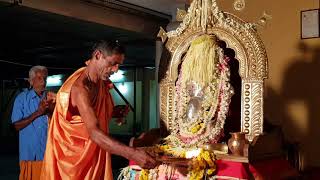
98,14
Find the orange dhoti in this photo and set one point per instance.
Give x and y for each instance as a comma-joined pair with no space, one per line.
30,170
70,153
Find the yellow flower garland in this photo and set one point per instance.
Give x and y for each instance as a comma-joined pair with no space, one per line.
144,174
201,165
195,128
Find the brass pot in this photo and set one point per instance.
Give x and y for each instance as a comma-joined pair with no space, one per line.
237,143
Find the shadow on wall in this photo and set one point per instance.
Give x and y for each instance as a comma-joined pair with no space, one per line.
297,105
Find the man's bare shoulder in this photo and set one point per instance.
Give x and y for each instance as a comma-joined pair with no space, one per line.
80,86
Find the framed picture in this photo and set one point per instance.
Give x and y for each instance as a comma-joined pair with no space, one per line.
310,23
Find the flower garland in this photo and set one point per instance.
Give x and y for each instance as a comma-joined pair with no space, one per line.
212,89
144,174
203,59
200,166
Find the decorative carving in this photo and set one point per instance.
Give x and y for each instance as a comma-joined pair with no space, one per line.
166,102
180,14
162,34
257,110
252,108
239,5
200,101
204,17
264,19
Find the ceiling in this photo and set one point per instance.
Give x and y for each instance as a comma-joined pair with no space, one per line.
164,6
31,37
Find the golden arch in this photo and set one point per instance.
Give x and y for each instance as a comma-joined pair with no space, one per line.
240,36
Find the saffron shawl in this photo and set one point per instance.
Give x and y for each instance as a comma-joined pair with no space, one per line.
70,153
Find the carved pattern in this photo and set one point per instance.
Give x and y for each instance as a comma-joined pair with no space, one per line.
239,5
257,111
246,103
239,35
166,102
252,112
243,39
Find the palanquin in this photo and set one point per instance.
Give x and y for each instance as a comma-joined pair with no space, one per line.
196,95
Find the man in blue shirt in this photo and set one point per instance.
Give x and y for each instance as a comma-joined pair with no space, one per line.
29,117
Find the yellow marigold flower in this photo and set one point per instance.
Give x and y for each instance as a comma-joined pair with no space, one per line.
144,174
210,171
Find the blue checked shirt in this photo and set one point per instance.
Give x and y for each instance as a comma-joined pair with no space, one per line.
32,138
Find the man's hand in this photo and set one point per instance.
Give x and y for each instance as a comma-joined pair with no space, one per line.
144,160
51,99
42,109
43,106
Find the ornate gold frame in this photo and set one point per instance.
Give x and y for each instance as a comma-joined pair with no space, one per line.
239,35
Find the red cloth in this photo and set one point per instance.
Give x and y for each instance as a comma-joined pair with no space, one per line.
232,169
267,169
276,168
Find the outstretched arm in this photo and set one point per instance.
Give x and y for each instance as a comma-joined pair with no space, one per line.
81,99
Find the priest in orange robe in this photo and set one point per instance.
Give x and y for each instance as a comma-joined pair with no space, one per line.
78,145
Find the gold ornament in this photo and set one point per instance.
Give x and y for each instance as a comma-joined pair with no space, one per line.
264,19
239,5
180,14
